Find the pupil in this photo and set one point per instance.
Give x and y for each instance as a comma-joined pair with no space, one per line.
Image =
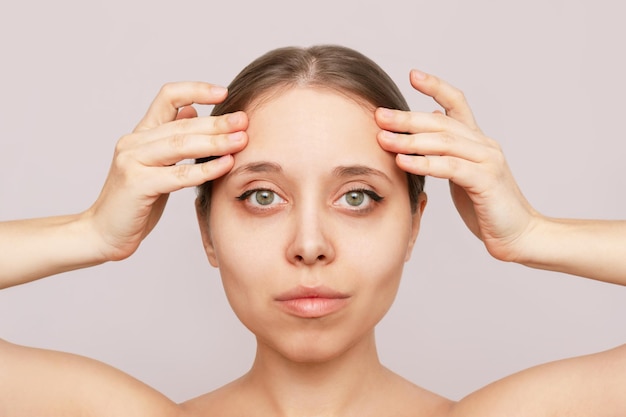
264,197
355,198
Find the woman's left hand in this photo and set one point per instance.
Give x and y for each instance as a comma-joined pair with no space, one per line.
452,146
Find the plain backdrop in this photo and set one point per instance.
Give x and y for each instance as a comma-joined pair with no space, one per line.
545,78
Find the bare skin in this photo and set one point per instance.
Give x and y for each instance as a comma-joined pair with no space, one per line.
343,376
487,196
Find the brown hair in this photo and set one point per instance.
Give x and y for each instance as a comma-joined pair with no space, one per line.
327,66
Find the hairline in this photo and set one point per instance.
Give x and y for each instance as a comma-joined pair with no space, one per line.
278,90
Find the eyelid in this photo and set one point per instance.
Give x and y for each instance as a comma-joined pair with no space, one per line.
245,198
371,197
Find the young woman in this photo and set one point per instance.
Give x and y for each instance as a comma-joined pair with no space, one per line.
311,173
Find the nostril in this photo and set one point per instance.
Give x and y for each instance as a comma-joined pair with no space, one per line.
302,259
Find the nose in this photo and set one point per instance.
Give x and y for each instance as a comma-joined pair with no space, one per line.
310,242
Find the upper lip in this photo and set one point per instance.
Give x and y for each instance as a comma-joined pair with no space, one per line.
310,292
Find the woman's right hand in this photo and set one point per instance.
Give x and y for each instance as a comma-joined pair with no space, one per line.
144,169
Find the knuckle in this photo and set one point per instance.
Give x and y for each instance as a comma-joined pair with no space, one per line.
216,143
440,118
124,161
455,95
123,143
499,158
406,117
167,89
178,142
184,125
453,165
222,123
407,121
441,121
182,171
206,169
458,95
447,140
122,156
495,155
493,144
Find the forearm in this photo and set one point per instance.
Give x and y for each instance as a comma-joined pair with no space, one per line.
36,248
589,248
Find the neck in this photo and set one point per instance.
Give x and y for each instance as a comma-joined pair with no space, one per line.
340,385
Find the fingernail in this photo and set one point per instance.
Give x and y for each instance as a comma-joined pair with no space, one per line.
387,134
234,118
235,137
218,90
385,113
418,75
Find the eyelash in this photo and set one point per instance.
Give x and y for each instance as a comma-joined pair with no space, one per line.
245,197
373,197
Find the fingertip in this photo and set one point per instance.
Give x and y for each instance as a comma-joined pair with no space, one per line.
412,163
404,159
225,160
418,75
385,135
238,119
238,138
384,114
218,91
217,166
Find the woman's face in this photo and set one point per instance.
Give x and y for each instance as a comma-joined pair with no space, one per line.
311,228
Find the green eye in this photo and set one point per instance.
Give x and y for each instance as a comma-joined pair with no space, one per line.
261,198
355,198
360,200
264,197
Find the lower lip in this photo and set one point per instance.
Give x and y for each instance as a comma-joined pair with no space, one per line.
313,307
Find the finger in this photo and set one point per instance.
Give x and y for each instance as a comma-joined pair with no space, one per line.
175,149
417,122
208,125
450,98
173,96
441,143
165,180
186,112
462,172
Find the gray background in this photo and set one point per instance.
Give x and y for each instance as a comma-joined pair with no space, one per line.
545,78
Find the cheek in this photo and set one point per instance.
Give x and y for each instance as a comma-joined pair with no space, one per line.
383,255
381,263
247,260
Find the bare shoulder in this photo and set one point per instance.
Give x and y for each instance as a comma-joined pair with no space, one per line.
229,400
43,382
591,385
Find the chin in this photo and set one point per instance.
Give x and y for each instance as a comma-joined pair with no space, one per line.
316,348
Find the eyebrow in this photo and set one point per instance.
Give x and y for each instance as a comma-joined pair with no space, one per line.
257,167
340,171
359,170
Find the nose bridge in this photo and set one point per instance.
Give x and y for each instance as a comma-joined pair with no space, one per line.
310,241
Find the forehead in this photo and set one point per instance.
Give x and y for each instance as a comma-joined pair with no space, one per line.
302,125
